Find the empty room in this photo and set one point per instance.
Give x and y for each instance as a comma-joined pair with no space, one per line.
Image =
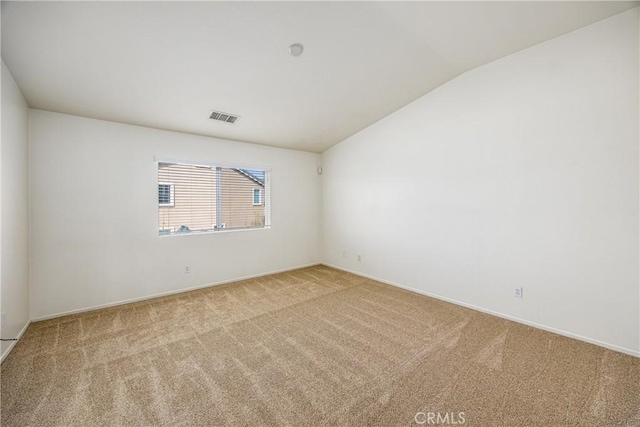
320,213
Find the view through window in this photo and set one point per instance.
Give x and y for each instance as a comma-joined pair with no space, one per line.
194,198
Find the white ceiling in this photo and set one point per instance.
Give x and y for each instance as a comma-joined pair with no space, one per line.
167,64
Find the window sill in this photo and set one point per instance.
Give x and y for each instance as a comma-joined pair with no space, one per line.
198,233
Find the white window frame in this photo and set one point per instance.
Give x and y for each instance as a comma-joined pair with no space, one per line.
265,194
259,197
171,194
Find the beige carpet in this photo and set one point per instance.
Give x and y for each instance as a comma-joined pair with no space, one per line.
309,347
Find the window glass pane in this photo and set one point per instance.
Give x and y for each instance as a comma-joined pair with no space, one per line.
164,194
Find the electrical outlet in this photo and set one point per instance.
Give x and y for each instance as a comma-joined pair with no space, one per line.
517,292
359,258
344,254
4,318
187,269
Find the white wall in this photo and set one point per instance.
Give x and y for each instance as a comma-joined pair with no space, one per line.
15,210
523,172
94,238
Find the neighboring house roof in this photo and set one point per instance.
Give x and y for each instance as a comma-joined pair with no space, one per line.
254,175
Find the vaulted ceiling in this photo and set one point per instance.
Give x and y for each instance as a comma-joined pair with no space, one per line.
168,64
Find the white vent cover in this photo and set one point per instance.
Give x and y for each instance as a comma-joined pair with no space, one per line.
223,117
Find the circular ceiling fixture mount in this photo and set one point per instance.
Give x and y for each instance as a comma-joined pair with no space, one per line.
296,49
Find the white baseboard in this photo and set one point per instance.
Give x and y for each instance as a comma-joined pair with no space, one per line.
497,314
13,343
164,294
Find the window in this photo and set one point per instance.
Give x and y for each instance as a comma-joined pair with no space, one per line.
165,194
195,198
256,197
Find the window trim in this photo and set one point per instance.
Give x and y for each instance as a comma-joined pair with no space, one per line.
220,231
172,201
160,159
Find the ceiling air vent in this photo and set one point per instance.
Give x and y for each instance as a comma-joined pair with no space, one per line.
223,117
